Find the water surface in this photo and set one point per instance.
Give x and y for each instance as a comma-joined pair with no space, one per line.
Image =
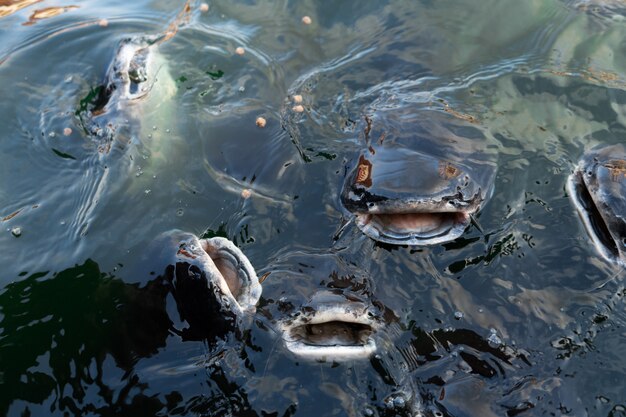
521,318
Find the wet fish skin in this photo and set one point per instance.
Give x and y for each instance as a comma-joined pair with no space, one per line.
204,293
597,188
137,82
419,164
322,307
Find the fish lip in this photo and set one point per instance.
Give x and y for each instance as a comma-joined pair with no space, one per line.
450,214
250,288
451,225
594,221
350,314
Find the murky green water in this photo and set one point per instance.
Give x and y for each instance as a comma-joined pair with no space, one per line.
523,318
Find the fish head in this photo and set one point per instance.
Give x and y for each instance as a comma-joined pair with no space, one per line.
597,188
213,283
137,75
322,307
420,179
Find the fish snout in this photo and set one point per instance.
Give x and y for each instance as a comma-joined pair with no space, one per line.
214,285
332,327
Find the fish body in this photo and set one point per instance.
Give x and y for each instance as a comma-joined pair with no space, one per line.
597,188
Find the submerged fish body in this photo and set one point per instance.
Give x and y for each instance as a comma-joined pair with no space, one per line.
597,189
322,308
420,179
136,92
212,281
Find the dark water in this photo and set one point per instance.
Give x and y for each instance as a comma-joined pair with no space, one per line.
523,318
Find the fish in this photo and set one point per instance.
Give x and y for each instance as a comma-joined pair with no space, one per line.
137,91
331,326
421,178
597,189
322,307
215,286
128,123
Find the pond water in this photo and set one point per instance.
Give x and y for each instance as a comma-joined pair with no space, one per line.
518,316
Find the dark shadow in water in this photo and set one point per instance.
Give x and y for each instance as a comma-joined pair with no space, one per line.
75,318
58,332
440,368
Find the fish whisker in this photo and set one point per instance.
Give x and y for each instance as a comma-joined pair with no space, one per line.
475,223
267,361
342,228
264,277
613,277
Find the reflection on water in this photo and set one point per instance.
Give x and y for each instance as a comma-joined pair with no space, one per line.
519,316
8,7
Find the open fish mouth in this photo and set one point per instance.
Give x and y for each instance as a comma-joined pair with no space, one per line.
414,228
596,189
227,270
406,198
336,331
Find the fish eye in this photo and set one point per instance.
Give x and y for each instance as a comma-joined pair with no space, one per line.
624,241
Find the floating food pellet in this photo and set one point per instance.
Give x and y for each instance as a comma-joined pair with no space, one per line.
246,193
299,108
306,20
67,131
261,122
297,98
204,7
240,50
16,231
103,22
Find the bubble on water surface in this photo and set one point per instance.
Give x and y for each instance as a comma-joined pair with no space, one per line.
180,212
16,231
458,315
